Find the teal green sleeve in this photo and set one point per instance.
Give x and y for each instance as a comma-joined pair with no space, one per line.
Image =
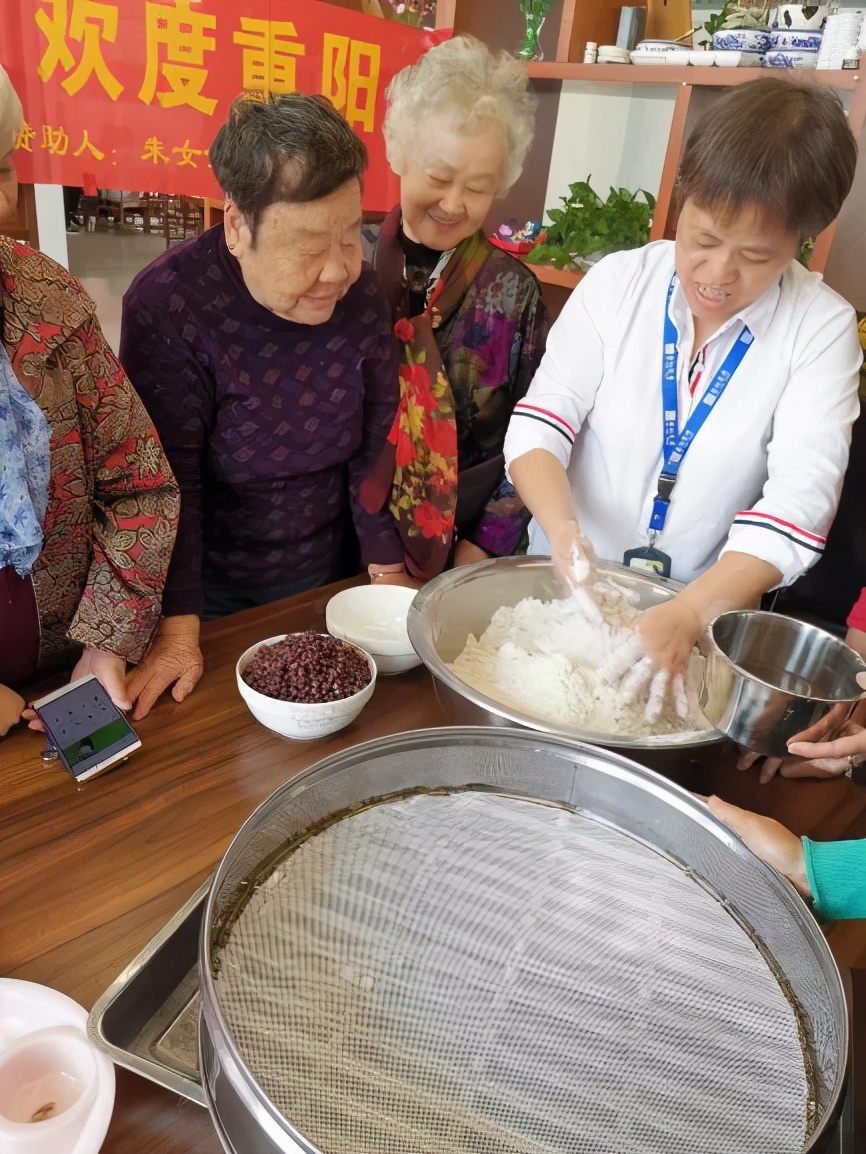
837,877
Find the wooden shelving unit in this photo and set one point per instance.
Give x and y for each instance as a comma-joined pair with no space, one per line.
679,74
562,278
570,24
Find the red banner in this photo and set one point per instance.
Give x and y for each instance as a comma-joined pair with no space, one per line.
133,92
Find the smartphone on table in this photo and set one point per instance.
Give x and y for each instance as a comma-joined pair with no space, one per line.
85,727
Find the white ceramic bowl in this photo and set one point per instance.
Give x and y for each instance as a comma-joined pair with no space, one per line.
298,720
702,59
48,1083
738,59
374,618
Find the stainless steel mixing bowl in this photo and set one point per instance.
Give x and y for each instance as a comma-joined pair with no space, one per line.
463,600
769,677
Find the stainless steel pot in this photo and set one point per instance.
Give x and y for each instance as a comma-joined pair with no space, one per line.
768,677
463,600
600,784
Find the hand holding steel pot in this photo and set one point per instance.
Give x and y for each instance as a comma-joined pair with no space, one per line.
769,678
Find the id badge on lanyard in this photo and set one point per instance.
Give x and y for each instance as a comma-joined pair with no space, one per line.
677,442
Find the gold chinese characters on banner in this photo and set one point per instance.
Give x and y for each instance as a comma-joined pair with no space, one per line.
133,92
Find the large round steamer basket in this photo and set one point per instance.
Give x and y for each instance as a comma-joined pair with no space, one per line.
494,941
463,601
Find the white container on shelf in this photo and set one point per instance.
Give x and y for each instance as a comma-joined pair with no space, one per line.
802,15
738,59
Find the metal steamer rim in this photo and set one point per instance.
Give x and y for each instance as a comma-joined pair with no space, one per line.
333,960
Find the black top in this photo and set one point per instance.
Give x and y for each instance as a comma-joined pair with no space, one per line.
420,263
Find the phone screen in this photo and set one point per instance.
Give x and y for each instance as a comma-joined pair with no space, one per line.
86,727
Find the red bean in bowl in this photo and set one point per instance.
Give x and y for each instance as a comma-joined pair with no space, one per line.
308,668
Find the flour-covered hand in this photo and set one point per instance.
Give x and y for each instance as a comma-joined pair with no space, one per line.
639,676
573,556
669,632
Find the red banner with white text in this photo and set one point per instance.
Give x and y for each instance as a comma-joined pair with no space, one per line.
132,92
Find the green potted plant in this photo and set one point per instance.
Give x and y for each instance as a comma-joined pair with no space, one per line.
587,228
740,28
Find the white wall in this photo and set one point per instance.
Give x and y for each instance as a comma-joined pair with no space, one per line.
51,221
617,133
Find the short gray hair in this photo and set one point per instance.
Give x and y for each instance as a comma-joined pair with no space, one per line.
283,148
463,78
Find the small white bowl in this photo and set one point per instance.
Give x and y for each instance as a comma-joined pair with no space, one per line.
701,58
738,59
374,618
48,1083
297,720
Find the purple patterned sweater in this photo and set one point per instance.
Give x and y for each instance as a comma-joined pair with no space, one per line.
270,426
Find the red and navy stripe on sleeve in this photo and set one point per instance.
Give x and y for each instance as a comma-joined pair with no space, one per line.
545,417
801,537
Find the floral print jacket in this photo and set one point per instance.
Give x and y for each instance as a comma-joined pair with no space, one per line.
113,502
491,347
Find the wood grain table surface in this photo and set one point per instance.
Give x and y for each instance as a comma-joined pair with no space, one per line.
89,873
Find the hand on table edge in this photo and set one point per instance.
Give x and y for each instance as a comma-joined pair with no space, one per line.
173,658
769,839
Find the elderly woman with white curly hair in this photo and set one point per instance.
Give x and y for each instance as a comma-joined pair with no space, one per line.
470,317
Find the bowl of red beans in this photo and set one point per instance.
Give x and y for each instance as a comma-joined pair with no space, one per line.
305,685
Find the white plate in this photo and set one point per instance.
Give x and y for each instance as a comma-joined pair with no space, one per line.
660,46
26,1007
668,58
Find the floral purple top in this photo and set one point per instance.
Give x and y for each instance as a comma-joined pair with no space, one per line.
270,426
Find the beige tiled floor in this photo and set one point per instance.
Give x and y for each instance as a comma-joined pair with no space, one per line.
105,263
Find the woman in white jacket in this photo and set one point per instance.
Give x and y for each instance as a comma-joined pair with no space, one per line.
692,413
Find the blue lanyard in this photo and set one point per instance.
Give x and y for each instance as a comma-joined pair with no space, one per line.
678,441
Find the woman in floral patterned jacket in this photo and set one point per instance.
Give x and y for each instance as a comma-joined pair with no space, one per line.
88,503
470,317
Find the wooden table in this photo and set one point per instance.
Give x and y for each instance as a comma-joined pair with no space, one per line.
88,874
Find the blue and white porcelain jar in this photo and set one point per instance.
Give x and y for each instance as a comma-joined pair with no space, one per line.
742,40
796,38
791,58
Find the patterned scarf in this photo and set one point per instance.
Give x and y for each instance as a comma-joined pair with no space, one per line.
416,474
25,468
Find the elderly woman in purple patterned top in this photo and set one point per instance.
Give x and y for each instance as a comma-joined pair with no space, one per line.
266,359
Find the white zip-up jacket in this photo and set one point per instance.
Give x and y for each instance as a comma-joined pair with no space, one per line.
763,475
